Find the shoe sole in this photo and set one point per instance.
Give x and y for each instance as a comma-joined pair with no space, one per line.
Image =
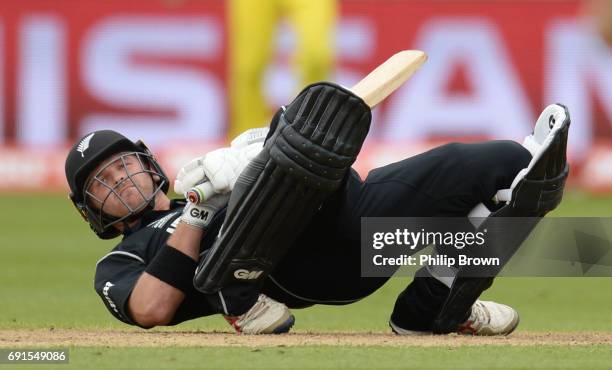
285,326
516,324
399,331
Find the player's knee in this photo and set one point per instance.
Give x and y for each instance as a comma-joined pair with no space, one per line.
491,158
511,151
494,165
509,155
487,166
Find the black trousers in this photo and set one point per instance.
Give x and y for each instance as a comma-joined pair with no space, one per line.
323,266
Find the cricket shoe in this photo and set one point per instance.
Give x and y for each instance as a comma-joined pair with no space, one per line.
490,318
266,316
486,318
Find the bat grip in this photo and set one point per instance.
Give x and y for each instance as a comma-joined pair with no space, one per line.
200,193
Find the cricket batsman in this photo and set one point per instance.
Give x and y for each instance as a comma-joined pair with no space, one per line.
290,235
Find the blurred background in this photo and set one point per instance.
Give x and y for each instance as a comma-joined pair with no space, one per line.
186,76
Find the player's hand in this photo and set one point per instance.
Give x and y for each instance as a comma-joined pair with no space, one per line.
200,215
214,172
217,171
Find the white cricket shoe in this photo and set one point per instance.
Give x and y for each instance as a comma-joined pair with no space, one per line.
486,318
490,318
267,316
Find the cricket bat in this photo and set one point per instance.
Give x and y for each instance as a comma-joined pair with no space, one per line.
389,76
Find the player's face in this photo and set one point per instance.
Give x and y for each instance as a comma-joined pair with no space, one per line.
121,185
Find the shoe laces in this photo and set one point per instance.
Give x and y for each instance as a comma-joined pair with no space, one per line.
259,307
479,314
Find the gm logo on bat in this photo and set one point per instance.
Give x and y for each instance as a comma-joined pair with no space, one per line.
246,274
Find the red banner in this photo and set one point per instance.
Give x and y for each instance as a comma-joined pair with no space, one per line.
156,70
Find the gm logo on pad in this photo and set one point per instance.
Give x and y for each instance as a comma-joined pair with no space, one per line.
243,274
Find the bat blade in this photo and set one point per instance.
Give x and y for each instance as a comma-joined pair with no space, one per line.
389,76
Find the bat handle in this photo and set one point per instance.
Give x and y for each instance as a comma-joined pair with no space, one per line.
200,193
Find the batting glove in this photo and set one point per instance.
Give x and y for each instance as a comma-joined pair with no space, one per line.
201,214
217,171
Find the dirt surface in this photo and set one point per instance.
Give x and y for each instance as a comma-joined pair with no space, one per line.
89,338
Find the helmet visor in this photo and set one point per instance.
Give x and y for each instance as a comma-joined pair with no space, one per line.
121,188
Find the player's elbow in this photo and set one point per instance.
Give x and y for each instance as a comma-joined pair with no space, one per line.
152,315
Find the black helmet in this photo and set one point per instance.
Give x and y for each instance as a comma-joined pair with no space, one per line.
89,152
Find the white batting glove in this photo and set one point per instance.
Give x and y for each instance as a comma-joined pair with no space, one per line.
217,171
200,215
